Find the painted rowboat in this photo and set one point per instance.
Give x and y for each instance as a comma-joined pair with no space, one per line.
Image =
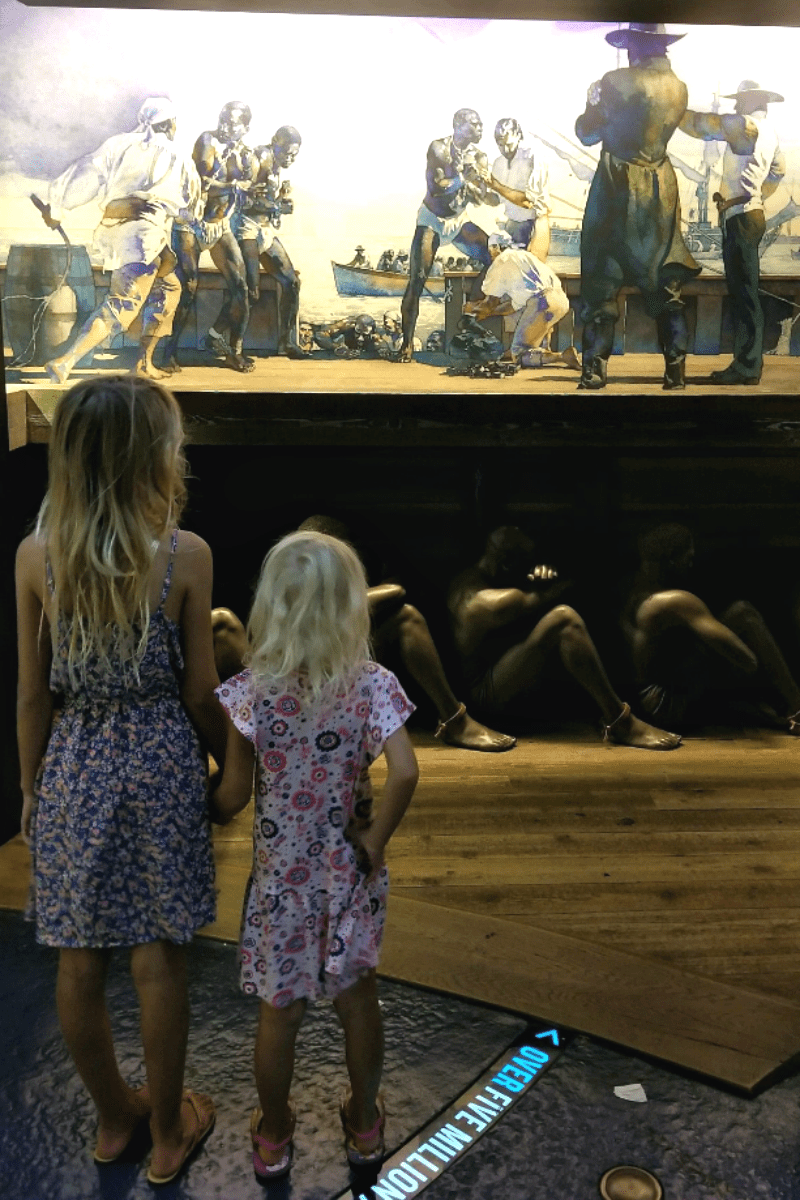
366,281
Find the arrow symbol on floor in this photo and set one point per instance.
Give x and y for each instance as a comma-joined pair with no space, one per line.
551,1033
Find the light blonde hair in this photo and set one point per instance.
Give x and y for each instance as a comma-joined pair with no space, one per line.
116,487
310,612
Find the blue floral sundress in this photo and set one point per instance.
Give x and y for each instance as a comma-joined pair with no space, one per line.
122,841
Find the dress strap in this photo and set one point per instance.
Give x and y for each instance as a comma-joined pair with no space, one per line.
173,545
48,574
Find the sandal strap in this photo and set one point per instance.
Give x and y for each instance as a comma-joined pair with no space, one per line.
262,1141
442,726
376,1128
626,712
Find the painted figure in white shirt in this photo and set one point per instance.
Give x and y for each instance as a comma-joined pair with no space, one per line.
519,282
752,168
520,179
142,183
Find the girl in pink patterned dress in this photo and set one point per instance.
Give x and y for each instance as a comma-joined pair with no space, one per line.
313,712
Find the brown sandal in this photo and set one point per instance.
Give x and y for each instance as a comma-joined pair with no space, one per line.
204,1115
102,1155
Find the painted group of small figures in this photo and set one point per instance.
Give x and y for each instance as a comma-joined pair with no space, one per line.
514,635
160,211
399,263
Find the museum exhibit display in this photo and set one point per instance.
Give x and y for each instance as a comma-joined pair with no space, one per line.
509,302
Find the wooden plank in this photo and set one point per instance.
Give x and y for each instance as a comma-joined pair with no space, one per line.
516,844
432,817
696,929
721,965
778,983
482,870
787,796
693,946
544,899
732,1034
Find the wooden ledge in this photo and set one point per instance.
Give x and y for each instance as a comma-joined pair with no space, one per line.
362,406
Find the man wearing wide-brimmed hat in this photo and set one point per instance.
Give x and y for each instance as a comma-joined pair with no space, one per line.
631,227
751,171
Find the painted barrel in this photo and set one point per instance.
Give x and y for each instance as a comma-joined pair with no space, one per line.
42,309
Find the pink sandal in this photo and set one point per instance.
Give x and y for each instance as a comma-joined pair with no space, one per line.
356,1156
265,1171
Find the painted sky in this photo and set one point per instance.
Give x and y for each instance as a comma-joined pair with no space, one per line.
367,93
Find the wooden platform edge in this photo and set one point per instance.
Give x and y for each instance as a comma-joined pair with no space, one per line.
732,1035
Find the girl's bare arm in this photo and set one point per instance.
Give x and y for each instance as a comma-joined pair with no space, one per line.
194,571
34,698
231,790
401,781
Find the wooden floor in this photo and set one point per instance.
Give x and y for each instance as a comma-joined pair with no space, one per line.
638,374
651,899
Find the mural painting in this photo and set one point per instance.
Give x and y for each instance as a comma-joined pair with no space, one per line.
399,195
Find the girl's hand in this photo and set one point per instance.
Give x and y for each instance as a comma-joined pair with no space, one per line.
373,854
28,809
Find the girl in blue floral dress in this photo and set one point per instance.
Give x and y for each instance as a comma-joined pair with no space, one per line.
312,712
116,678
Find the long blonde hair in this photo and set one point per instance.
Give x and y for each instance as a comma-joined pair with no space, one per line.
116,487
310,612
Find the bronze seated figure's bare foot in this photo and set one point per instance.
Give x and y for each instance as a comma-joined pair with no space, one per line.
628,730
468,734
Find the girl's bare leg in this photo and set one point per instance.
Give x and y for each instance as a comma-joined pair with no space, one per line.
82,1011
274,1065
360,1016
159,973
